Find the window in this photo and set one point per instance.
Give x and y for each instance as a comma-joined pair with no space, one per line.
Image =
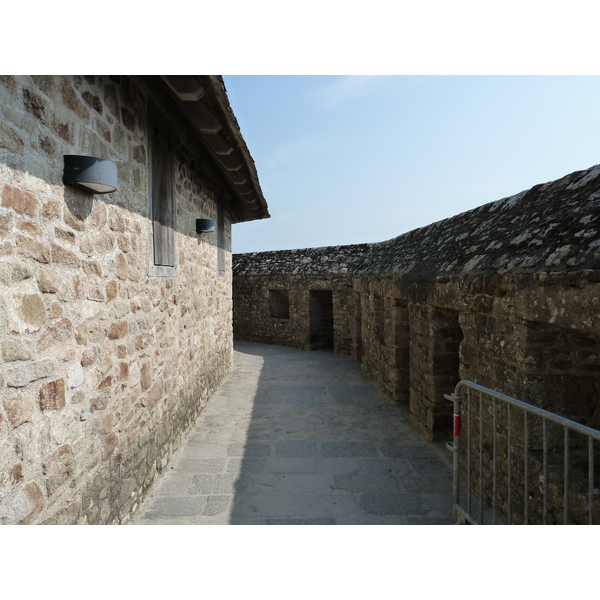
221,242
162,207
279,304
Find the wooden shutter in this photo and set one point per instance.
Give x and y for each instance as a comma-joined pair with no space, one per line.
221,267
163,209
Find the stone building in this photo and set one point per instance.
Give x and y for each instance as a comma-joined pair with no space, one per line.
115,314
506,295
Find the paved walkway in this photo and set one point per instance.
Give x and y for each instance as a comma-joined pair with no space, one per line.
296,437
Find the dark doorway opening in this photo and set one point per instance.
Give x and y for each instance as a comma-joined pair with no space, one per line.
321,320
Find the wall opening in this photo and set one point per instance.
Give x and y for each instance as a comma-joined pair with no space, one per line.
434,367
448,335
401,350
378,319
358,346
279,304
321,319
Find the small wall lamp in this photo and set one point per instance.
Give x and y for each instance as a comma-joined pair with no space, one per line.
94,175
205,225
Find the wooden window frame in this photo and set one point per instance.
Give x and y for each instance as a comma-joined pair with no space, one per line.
221,242
162,207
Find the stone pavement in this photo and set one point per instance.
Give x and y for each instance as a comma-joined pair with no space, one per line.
296,437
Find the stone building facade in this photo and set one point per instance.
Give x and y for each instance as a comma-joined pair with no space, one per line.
506,295
111,340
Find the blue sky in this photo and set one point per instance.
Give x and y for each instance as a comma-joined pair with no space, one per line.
351,159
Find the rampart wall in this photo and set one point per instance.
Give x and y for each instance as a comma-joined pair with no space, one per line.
506,295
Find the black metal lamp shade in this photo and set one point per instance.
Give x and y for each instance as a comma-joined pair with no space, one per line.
205,225
94,175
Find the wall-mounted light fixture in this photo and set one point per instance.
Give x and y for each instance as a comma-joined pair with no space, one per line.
205,225
94,175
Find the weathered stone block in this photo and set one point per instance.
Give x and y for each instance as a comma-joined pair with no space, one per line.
59,467
91,267
29,312
11,139
118,330
24,203
30,228
5,224
110,443
52,395
17,349
104,243
89,357
99,403
51,209
71,101
146,376
19,409
26,373
62,256
75,376
16,473
48,281
29,503
57,334
34,104
56,310
121,267
155,392
105,383
123,371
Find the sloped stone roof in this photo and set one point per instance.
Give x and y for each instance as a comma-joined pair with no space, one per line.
551,227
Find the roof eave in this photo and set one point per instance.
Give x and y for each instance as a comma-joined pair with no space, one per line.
203,103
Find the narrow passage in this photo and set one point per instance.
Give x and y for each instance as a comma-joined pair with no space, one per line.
296,437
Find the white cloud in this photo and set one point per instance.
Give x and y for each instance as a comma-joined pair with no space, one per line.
351,87
294,151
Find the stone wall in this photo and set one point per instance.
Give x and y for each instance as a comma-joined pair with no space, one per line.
103,368
292,327
506,295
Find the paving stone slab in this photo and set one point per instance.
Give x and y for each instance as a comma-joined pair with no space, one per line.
218,505
359,483
376,503
298,438
292,465
246,465
294,521
288,504
296,449
251,449
348,449
177,507
215,483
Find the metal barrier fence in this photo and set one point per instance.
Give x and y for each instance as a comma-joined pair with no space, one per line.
514,463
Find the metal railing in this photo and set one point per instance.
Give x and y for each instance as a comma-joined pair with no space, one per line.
514,463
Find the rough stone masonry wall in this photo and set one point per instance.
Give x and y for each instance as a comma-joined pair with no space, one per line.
473,297
506,295
102,368
256,316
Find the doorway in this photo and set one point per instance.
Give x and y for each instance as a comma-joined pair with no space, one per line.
321,320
